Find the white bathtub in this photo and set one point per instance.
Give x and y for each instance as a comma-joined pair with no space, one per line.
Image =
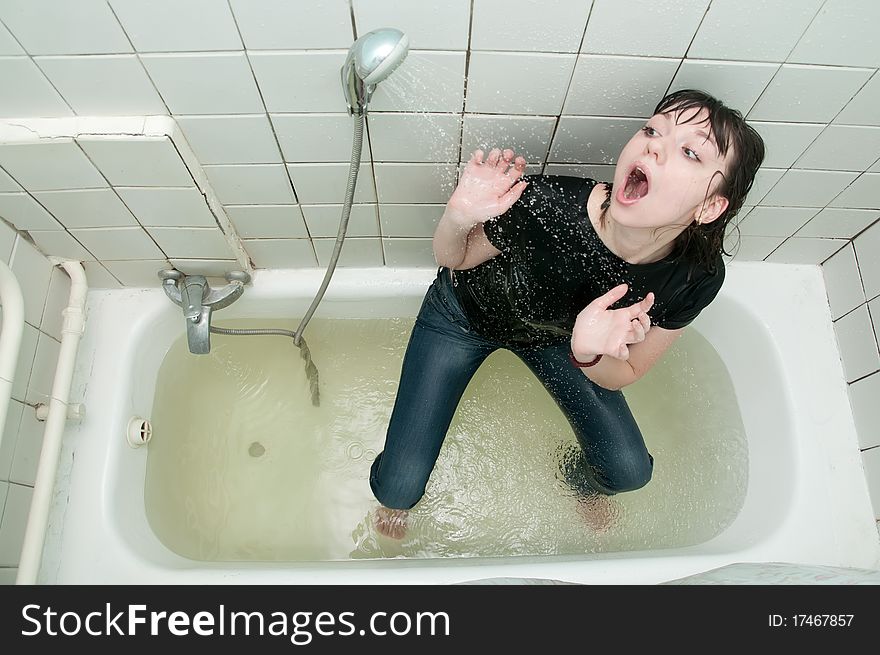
807,499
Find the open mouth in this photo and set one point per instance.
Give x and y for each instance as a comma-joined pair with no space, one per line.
636,186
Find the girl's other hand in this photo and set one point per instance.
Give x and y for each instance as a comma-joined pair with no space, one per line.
602,331
487,188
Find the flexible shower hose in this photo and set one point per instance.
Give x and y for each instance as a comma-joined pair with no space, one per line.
311,369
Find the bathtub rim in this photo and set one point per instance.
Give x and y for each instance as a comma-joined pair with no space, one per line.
807,283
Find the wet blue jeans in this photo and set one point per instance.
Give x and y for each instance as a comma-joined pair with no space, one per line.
443,354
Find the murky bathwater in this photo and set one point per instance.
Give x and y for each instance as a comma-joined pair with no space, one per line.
243,467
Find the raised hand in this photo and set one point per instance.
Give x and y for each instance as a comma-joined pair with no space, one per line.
602,331
487,188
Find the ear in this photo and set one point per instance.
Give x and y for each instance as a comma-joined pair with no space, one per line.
711,209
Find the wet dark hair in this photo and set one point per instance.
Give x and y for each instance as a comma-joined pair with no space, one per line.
702,244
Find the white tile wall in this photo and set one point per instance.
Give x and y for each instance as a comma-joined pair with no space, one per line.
254,87
45,290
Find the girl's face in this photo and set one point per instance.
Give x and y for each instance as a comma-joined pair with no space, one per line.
664,171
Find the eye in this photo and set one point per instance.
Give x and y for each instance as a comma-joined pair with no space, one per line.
690,154
650,131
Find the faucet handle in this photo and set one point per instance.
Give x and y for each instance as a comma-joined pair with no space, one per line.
170,274
238,276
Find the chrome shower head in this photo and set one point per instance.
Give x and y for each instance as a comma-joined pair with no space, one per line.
371,59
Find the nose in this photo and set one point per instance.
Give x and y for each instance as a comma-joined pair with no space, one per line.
655,147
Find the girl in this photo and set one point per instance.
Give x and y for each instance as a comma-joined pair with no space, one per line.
563,271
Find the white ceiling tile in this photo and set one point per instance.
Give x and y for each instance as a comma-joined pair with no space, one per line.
15,516
99,277
60,243
592,140
803,188
796,250
32,270
766,30
600,172
863,396
537,81
34,95
56,301
357,252
258,184
747,248
414,137
528,136
206,83
876,167
173,26
301,81
842,282
409,220
49,27
844,148
281,253
776,221
425,81
864,193
137,160
546,26
838,223
737,84
843,33
7,184
595,88
409,253
792,96
285,25
25,213
323,221
47,165
26,353
8,235
103,85
785,142
765,179
867,245
8,44
858,344
168,207
326,183
231,139
191,242
118,243
643,27
138,273
7,447
415,182
429,24
863,108
39,391
318,137
87,208
267,221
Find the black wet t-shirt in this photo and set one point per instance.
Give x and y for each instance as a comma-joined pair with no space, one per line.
553,264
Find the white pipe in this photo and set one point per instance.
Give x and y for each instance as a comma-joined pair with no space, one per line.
10,337
74,321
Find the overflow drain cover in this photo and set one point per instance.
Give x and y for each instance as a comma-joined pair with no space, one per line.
139,431
256,449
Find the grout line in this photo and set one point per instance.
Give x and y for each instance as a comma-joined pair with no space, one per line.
558,117
684,56
274,136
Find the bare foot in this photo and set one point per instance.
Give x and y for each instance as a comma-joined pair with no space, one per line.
598,511
391,522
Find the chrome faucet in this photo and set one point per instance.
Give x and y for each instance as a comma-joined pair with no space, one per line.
198,300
